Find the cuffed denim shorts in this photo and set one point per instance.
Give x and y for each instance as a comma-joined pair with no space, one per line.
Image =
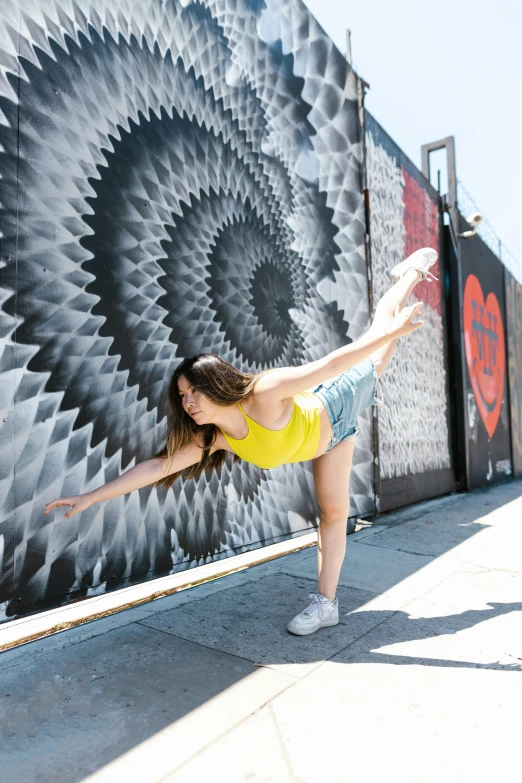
346,396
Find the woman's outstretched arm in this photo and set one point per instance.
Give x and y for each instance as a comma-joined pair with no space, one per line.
286,381
140,475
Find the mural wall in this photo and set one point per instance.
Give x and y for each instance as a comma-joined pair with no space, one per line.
514,343
413,422
486,400
176,178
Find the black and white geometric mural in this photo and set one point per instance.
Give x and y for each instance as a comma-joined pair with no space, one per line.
176,177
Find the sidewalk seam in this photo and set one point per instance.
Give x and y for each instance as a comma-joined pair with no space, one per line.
257,664
396,549
282,744
230,728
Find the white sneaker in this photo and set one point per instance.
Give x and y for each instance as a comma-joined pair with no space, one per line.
421,260
319,614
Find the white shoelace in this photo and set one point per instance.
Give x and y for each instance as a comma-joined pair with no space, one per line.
317,605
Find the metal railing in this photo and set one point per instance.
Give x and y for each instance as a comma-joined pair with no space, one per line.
467,205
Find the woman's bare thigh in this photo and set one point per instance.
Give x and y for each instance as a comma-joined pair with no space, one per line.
332,479
325,435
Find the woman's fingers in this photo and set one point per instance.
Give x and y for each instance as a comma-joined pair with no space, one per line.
405,318
78,503
75,503
56,503
63,502
415,308
404,323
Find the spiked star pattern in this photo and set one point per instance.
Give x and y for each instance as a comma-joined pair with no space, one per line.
177,177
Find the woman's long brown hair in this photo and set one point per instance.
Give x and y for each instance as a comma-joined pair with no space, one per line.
220,382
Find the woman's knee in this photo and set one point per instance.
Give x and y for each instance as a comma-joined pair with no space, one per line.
335,512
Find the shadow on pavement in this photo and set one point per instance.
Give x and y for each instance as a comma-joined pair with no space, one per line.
67,712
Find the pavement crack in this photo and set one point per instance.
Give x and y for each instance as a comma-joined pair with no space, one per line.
282,744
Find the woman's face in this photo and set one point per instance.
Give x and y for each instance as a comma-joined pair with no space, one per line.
199,407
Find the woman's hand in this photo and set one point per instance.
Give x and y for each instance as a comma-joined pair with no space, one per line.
403,323
78,502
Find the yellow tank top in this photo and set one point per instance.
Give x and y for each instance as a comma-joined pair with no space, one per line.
297,442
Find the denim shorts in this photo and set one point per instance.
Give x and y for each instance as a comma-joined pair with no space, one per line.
346,396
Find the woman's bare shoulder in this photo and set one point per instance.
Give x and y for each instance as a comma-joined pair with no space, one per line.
268,410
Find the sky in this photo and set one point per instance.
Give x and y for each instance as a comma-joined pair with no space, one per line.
445,69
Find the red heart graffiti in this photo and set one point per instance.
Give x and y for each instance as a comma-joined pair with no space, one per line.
485,351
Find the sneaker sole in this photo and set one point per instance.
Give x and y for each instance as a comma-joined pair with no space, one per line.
411,263
308,631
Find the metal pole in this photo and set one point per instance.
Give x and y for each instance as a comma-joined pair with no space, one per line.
456,335
349,46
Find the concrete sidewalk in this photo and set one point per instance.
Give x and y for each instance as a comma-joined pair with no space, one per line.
420,682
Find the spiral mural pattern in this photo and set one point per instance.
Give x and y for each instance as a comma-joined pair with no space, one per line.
177,177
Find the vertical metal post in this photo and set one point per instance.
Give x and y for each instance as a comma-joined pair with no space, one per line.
449,145
456,366
362,86
349,47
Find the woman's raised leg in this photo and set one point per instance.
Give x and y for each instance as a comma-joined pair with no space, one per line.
396,296
407,274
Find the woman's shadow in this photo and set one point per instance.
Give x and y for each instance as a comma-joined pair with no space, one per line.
409,629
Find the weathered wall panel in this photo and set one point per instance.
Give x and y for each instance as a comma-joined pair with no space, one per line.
185,177
413,422
486,401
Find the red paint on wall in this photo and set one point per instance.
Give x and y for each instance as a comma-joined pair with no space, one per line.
485,350
421,224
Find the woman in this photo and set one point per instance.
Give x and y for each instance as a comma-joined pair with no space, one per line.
289,414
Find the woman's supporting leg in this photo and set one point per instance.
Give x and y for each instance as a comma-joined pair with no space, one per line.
396,296
332,478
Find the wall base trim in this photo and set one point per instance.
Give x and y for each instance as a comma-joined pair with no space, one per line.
28,629
405,490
